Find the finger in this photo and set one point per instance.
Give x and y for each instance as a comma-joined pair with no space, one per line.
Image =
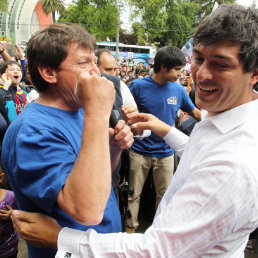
119,126
140,126
9,207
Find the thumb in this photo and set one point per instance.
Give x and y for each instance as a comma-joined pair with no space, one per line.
23,216
140,126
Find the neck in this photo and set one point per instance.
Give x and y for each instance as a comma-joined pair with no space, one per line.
58,100
157,77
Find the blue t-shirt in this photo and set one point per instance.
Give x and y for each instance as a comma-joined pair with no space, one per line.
163,101
39,150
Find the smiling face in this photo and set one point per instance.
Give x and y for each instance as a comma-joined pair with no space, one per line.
219,78
14,72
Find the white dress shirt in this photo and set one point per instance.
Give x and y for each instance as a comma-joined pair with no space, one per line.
210,207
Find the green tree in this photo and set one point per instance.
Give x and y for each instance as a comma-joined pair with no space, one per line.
99,17
3,5
52,6
180,22
167,21
139,33
153,14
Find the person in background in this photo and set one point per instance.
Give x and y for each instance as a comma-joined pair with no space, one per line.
12,93
161,96
8,236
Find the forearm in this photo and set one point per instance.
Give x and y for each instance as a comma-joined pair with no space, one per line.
6,57
87,188
115,155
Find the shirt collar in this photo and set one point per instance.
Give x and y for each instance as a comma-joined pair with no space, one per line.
228,120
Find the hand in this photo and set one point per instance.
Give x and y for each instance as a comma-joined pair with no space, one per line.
7,81
128,109
19,52
6,214
37,229
121,136
96,95
3,47
142,121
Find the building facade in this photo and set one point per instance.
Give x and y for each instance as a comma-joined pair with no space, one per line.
23,19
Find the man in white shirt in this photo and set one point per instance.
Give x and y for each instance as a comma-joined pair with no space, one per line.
107,65
211,205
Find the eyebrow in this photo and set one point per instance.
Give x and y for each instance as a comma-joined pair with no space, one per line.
214,56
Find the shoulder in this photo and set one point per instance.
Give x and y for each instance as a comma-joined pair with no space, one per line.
141,82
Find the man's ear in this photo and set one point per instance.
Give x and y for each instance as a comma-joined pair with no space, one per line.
254,78
47,73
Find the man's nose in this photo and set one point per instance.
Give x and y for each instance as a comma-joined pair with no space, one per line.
204,72
94,69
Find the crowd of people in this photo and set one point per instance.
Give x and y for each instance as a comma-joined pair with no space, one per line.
59,148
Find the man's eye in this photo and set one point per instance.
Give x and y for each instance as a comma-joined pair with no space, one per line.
221,65
198,59
83,63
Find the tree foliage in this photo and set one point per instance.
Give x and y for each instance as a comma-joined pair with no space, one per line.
3,5
171,21
99,17
52,6
139,33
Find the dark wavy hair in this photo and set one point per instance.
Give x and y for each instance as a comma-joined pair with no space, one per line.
168,57
236,24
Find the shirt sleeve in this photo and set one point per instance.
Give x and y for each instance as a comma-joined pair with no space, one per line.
41,171
176,140
127,96
187,104
128,99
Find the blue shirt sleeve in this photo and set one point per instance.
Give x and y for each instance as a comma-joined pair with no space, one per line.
41,171
23,68
187,104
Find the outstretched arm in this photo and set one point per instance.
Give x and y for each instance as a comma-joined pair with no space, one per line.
142,121
171,135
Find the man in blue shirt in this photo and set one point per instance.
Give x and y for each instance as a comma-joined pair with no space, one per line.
161,96
57,152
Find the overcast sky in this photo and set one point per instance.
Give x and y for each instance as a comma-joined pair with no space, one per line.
247,2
